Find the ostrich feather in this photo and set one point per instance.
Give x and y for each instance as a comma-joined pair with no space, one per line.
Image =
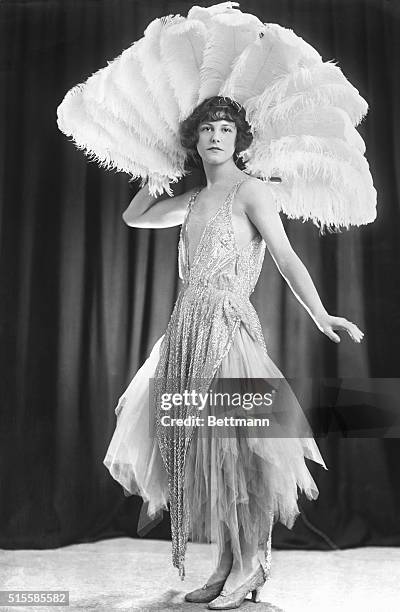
206,14
322,84
182,48
117,76
228,36
261,63
108,100
288,38
122,140
321,121
108,140
74,120
311,197
336,94
117,102
306,79
325,148
158,85
339,170
128,75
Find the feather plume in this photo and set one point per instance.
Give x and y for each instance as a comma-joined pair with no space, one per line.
182,48
333,164
110,89
320,75
323,148
287,37
322,121
110,96
322,84
206,14
74,120
131,81
121,139
228,36
304,201
108,138
261,63
158,85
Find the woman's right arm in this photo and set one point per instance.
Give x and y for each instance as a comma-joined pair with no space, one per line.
148,211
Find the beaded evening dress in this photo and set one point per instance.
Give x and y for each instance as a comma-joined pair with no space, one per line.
218,482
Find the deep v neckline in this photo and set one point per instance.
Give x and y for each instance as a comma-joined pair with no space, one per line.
196,252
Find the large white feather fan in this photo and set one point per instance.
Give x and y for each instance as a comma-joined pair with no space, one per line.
302,111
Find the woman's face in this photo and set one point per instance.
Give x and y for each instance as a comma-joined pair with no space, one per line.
217,140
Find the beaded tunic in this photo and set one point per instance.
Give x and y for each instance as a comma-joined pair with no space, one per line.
212,303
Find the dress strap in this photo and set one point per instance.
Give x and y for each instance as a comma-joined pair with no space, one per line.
193,198
183,241
233,192
190,203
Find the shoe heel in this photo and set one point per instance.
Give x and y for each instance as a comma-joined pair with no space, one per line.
256,595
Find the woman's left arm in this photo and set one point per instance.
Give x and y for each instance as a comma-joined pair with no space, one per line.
259,205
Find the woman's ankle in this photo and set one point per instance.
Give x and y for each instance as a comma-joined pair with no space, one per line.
223,567
246,566
225,559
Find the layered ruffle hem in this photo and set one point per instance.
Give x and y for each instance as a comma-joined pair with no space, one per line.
238,480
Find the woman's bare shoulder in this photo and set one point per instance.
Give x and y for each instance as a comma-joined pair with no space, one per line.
254,184
254,191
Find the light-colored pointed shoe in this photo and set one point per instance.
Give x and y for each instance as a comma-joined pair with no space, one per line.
206,594
229,601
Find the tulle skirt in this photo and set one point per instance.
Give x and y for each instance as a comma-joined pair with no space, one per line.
236,482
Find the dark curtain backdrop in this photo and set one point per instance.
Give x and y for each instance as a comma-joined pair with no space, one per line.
84,297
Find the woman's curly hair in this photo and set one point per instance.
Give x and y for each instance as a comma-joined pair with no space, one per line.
215,109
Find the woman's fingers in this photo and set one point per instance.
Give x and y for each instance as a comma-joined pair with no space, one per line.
331,334
328,324
351,328
353,331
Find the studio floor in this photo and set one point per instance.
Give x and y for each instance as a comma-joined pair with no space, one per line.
126,574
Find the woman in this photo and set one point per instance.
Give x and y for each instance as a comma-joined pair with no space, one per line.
225,486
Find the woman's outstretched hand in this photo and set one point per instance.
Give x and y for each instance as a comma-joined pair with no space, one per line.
328,323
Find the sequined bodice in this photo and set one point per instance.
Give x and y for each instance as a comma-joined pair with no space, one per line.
217,261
